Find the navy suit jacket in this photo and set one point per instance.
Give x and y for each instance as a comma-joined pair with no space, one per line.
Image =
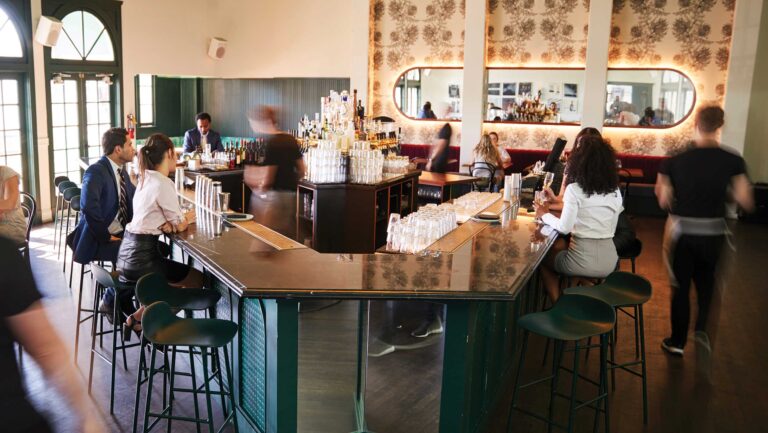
192,140
99,202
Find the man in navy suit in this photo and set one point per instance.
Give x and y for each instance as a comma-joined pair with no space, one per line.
106,205
202,135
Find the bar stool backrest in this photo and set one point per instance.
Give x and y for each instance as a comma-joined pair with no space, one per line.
102,276
155,318
74,203
59,179
71,192
65,185
154,287
29,206
584,308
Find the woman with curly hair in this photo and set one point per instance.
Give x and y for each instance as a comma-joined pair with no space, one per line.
591,206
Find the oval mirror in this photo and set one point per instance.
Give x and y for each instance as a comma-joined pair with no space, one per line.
522,95
648,98
430,93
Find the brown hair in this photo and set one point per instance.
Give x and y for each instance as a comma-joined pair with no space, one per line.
487,150
155,149
710,118
592,166
263,113
112,138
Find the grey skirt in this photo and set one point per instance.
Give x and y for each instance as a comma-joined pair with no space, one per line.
593,258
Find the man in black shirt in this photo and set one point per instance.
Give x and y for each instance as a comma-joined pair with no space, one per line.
695,186
438,158
23,321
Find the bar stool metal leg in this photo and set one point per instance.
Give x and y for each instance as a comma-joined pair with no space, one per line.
231,387
604,380
557,356
194,387
574,384
515,390
642,360
206,385
64,264
150,380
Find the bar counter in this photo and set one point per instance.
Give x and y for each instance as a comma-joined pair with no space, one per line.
297,370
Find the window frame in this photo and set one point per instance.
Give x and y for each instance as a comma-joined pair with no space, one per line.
139,102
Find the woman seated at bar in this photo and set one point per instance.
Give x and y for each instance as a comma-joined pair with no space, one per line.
556,201
13,225
484,157
591,206
155,210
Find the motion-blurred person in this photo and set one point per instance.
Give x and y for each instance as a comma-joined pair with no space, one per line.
25,322
106,207
694,187
273,184
426,111
590,211
155,210
202,136
438,154
13,225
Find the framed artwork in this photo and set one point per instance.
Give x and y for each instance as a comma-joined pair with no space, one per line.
510,89
524,89
453,91
570,90
494,89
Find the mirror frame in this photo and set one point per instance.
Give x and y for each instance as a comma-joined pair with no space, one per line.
400,110
522,68
654,128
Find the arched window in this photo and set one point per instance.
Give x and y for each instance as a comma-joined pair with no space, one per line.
84,38
10,43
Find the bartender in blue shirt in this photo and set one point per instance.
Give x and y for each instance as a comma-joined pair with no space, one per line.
202,136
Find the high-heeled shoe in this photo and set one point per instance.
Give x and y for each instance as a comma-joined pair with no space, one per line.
131,325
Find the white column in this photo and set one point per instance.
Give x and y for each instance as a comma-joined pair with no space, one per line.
40,84
473,99
358,45
597,63
741,69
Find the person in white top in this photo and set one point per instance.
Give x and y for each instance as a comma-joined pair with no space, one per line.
156,210
590,210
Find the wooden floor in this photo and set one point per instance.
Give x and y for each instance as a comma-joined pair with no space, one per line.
735,400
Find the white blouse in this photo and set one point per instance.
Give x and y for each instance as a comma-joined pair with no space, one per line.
154,204
589,217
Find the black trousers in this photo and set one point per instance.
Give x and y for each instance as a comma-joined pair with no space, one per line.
695,258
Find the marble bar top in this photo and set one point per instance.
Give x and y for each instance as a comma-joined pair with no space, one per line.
490,262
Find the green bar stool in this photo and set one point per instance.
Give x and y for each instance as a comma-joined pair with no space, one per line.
623,291
154,288
103,280
162,327
68,194
571,319
63,186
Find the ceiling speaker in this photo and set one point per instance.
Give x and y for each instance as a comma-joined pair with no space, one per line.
217,48
48,31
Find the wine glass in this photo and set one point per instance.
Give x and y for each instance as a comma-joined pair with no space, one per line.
549,177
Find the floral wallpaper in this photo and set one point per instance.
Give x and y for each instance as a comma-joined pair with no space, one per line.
693,36
408,33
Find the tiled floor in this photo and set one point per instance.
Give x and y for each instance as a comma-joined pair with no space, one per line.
734,401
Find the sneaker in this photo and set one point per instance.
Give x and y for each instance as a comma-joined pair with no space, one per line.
667,345
426,329
106,310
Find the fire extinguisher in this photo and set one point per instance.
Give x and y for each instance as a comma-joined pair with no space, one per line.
131,126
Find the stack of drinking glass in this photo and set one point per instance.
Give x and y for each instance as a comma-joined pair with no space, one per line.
325,163
420,229
366,166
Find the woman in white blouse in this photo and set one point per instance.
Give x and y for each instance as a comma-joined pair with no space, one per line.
155,210
590,210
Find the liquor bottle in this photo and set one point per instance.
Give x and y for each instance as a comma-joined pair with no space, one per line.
238,160
231,155
243,153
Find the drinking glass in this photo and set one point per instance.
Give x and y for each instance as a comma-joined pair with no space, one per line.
549,177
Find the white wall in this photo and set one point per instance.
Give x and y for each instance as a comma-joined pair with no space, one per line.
300,38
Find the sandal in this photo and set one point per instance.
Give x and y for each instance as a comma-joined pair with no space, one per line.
132,324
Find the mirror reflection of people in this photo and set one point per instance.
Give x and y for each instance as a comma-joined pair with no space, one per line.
695,186
426,111
273,184
629,117
438,155
663,115
25,322
615,107
202,136
649,117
